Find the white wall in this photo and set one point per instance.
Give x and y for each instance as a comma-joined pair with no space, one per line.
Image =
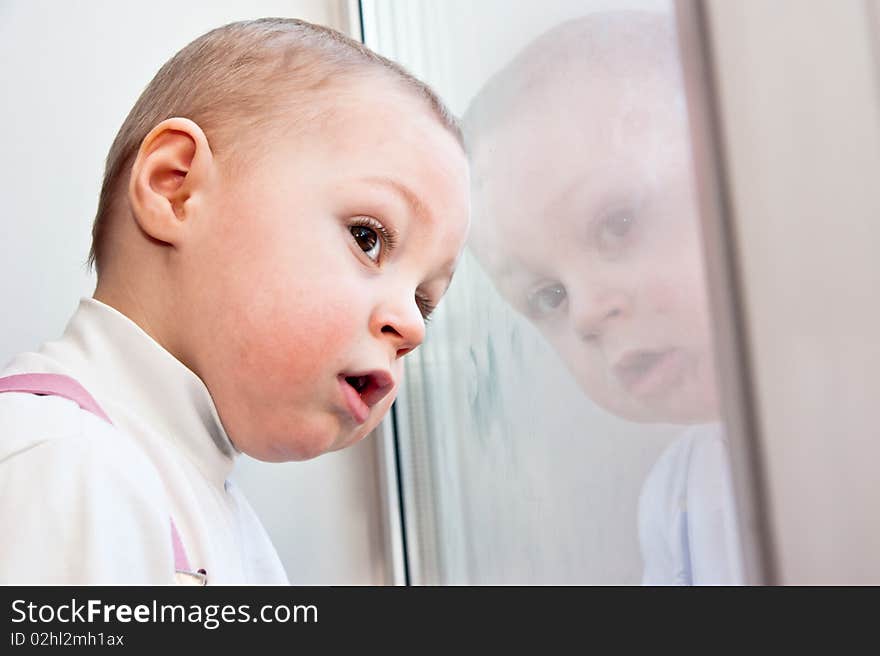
70,72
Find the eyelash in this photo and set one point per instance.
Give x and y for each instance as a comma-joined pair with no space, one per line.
389,239
425,307
389,242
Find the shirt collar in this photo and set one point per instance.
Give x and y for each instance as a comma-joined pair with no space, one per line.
136,381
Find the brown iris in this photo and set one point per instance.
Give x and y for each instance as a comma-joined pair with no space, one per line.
365,237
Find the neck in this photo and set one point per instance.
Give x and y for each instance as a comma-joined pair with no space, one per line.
143,307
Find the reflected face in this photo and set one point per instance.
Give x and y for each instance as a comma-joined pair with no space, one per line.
602,251
314,274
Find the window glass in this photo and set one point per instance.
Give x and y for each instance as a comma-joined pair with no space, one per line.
561,424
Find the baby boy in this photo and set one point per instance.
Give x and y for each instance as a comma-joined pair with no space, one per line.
281,211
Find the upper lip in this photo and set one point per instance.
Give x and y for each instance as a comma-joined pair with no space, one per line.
377,383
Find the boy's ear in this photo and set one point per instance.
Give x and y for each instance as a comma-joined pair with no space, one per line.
172,167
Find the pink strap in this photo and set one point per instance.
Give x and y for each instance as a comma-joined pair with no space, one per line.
54,385
181,562
66,387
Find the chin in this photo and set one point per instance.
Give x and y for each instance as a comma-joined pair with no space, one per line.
287,446
351,441
684,415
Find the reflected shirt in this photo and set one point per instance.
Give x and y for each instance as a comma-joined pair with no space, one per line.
687,517
84,502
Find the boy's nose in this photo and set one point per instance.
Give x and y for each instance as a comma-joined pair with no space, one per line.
401,325
592,315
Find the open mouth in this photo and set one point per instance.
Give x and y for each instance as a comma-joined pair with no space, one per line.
358,382
646,372
364,390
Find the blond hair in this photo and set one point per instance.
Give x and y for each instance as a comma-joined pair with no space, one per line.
238,75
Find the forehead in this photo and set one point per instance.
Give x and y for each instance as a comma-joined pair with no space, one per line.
393,140
385,116
577,125
377,149
368,127
568,151
588,134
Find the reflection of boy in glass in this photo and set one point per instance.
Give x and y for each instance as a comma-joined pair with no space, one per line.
585,217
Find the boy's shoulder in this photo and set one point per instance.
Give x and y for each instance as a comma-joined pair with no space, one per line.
30,420
51,434
87,504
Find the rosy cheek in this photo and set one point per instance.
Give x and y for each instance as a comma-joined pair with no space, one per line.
663,298
681,298
669,290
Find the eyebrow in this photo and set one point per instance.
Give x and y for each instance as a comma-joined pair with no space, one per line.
409,196
418,208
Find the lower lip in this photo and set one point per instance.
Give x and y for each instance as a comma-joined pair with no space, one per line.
662,375
359,410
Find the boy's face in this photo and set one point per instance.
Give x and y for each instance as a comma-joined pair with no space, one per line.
294,290
600,249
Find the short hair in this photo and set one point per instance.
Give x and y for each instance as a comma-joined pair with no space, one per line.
239,73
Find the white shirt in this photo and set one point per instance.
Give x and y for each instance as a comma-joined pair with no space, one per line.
84,502
687,516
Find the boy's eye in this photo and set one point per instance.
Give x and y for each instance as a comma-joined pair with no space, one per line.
543,301
372,237
368,240
614,229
